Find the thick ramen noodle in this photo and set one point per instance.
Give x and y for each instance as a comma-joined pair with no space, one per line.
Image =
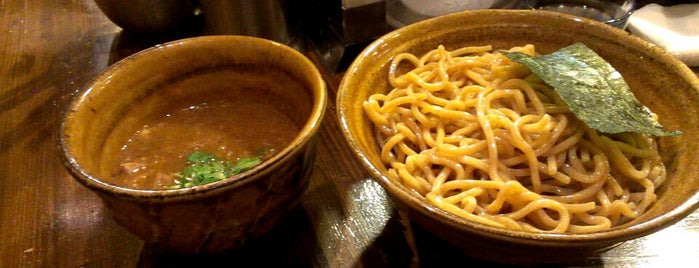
479,136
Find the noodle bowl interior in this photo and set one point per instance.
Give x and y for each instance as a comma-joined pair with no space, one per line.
479,136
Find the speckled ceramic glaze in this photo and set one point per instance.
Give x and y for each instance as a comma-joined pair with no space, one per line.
659,81
216,216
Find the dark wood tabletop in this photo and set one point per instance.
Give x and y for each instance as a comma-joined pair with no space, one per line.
50,49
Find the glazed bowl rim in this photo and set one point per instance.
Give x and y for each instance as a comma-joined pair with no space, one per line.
305,134
414,202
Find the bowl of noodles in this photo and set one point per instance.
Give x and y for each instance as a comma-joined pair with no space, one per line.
484,153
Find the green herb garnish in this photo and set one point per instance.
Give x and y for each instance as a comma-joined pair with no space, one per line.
205,168
594,91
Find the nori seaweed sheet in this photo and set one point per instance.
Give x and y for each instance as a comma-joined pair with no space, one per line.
595,92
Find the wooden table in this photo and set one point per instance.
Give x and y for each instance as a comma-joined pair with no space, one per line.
50,49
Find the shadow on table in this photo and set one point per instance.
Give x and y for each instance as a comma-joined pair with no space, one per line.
281,247
434,252
292,243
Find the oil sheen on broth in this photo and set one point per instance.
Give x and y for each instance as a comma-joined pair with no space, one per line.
229,130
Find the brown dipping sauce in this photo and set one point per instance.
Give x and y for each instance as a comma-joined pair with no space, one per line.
229,130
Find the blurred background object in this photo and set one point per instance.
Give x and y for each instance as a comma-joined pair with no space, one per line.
269,19
336,29
403,12
612,12
673,28
150,17
341,28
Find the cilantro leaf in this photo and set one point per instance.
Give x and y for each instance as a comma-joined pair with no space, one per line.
245,163
206,168
200,157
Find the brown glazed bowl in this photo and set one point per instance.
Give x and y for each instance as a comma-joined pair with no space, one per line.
659,81
212,217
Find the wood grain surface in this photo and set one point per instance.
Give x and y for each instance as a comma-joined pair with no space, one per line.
50,49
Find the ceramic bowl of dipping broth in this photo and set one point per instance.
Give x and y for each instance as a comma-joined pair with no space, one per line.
233,97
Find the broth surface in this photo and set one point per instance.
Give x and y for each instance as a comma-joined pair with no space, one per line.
229,131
